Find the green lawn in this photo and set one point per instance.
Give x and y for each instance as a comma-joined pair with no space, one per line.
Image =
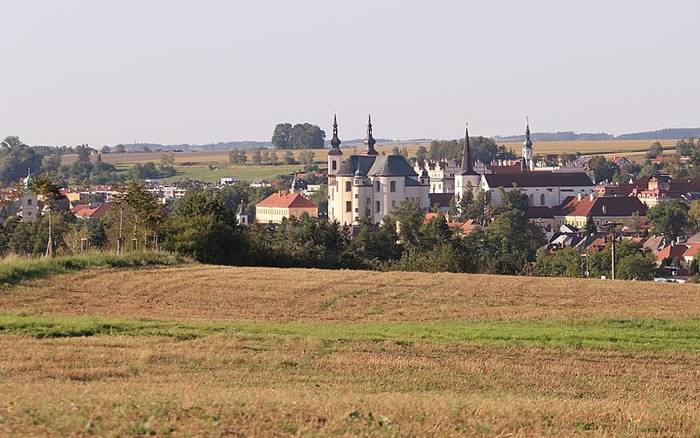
632,334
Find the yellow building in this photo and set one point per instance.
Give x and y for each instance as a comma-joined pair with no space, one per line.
283,204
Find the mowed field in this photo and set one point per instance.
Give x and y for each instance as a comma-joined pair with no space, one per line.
201,350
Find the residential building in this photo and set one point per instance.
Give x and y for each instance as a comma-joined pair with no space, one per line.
90,211
228,180
371,185
284,204
602,210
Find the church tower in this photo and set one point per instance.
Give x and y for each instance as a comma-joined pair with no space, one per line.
467,177
528,160
370,141
335,154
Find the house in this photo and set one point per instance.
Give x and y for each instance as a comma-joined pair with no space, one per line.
662,188
283,204
601,210
228,180
441,201
674,251
542,217
692,252
90,211
442,175
543,189
371,185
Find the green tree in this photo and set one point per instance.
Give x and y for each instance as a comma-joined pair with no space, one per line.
289,158
50,192
421,156
237,157
602,168
257,157
306,136
167,159
280,137
669,218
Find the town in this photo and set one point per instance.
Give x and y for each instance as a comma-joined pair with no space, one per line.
573,210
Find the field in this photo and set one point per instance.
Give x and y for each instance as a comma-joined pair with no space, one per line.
200,350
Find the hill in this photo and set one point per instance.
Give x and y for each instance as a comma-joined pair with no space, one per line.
661,134
203,350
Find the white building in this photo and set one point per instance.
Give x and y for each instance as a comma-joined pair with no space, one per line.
544,188
29,203
442,175
228,180
371,185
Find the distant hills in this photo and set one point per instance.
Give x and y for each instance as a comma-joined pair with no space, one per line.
661,134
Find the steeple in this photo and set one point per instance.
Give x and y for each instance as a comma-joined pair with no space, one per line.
528,141
335,141
467,168
370,141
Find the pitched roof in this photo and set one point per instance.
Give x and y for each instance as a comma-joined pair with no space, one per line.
88,211
674,251
441,200
285,199
538,179
693,250
653,243
377,165
605,206
534,212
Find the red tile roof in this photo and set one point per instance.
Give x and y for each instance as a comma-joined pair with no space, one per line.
285,199
693,250
674,251
613,206
87,211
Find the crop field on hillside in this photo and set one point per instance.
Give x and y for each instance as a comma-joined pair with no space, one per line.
203,350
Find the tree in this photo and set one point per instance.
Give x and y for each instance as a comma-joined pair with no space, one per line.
306,136
274,159
16,159
11,142
602,168
289,158
280,137
120,149
638,266
257,157
51,163
167,159
50,192
421,156
237,157
142,206
669,218
306,157
694,214
655,150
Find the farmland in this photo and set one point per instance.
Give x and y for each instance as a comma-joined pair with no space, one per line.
254,351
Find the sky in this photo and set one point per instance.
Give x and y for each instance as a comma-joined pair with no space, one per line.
172,71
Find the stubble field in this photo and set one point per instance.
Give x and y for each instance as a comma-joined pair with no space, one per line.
256,352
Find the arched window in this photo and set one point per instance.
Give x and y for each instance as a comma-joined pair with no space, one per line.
29,201
542,199
531,199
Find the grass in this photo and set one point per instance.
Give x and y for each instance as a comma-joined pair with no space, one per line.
633,334
16,269
209,351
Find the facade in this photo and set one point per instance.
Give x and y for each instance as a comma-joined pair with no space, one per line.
442,175
29,203
662,188
283,204
543,189
370,186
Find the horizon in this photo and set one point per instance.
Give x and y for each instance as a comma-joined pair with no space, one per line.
179,73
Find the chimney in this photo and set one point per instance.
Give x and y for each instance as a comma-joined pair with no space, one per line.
579,197
591,196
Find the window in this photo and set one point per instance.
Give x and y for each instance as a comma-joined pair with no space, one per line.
348,206
392,186
531,199
376,186
393,203
334,165
348,186
542,199
29,201
357,195
378,207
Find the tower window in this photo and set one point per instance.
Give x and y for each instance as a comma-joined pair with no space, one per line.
334,165
348,186
29,201
348,206
377,186
542,199
392,186
378,206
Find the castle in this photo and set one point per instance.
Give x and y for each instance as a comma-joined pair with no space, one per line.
369,185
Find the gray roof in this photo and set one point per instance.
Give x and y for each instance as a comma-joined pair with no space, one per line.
412,182
538,179
377,165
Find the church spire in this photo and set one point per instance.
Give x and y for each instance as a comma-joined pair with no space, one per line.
335,141
467,168
370,141
528,141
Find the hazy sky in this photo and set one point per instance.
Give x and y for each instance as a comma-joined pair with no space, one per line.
167,71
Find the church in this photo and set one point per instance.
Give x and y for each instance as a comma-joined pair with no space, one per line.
544,187
371,185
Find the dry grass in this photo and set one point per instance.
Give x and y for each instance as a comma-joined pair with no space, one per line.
211,293
270,386
275,383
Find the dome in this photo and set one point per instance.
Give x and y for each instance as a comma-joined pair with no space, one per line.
28,181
